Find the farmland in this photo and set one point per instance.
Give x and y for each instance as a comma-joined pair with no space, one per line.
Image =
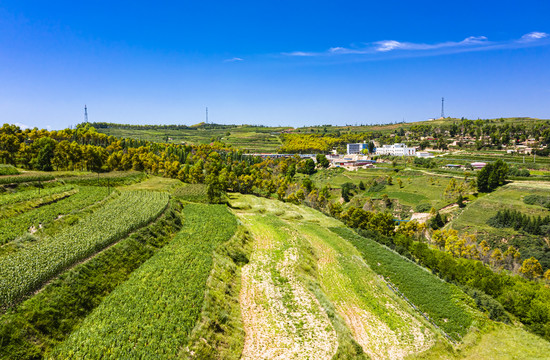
25,271
167,290
301,254
163,250
253,138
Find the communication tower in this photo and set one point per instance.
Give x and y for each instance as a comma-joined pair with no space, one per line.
442,107
207,114
85,114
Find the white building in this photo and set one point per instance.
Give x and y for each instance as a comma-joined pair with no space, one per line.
396,150
356,148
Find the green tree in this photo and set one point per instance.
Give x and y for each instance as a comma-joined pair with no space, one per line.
46,154
322,161
531,268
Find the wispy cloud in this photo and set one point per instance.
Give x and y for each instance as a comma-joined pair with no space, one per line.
234,59
22,126
471,43
533,36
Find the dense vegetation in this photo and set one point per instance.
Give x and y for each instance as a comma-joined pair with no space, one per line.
8,170
492,176
153,313
521,222
543,201
32,329
26,270
68,202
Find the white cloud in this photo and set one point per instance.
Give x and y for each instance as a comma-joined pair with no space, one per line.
535,35
22,126
471,43
389,45
300,53
234,59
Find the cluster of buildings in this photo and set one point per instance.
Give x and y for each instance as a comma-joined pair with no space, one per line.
397,149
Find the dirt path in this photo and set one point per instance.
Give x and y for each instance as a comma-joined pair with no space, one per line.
282,318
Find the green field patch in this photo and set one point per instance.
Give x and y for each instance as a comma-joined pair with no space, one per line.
28,269
153,313
445,305
34,327
383,324
44,216
192,193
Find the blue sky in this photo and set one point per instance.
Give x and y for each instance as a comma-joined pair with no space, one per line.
271,62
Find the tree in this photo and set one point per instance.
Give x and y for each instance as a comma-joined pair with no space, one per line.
306,167
213,189
347,190
308,184
531,268
361,185
436,222
371,147
46,154
492,176
322,160
460,201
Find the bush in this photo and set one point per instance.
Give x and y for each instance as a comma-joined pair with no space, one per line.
423,208
543,201
8,170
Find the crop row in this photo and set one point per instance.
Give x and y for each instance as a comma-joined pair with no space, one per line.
13,227
192,193
8,170
13,198
26,270
24,178
114,178
152,314
427,292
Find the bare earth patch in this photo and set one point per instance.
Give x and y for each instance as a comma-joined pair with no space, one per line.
282,319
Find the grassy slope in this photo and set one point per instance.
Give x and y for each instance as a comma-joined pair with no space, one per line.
246,137
488,341
360,304
417,187
474,219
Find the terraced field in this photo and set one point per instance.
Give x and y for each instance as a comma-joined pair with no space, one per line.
41,212
25,271
295,254
153,313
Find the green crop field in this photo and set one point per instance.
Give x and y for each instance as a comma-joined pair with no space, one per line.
445,304
26,270
153,313
252,138
35,218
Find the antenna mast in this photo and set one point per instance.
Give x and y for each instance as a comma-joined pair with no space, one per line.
85,114
442,107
